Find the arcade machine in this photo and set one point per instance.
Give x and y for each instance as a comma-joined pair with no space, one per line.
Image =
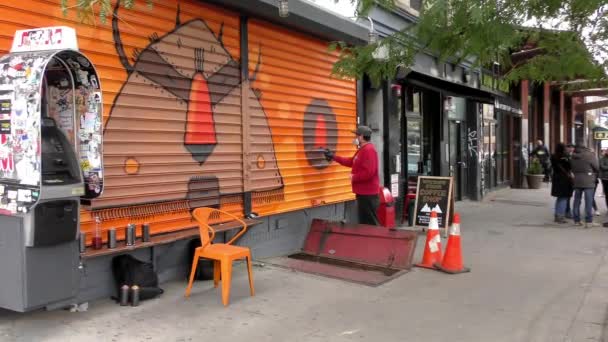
50,161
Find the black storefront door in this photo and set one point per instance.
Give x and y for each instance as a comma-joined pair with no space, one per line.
458,166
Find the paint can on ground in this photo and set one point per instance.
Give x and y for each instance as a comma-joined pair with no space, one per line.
124,295
135,295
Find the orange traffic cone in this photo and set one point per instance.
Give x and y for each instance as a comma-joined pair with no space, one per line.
452,260
432,247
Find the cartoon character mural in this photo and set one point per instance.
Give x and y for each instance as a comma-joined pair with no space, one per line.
187,116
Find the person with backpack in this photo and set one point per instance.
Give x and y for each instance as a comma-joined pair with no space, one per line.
569,152
604,175
585,168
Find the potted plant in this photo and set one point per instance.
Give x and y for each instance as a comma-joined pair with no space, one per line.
535,174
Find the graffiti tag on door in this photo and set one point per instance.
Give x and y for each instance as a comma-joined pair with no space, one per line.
472,142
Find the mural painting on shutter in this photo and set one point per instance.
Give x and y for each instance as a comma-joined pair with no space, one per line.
195,85
176,109
307,109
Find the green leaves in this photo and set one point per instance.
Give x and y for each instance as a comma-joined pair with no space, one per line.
374,60
487,31
479,31
88,10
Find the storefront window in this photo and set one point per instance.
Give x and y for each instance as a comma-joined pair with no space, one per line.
414,144
455,108
489,148
414,101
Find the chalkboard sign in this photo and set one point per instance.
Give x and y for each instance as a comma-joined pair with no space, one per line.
433,193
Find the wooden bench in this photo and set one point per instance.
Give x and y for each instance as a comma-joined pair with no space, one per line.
164,239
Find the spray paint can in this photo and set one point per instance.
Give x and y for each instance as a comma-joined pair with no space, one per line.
97,241
112,238
130,234
145,232
83,242
135,295
124,295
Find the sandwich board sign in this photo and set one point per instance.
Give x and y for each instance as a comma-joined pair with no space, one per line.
434,194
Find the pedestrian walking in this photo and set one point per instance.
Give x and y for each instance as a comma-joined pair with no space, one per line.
604,174
542,153
364,175
585,168
569,152
562,181
596,210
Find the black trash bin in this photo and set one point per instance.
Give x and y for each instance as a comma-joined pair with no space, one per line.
410,213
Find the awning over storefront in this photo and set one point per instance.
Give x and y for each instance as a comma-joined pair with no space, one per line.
303,16
449,88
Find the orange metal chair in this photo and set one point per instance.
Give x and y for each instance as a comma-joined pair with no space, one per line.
223,254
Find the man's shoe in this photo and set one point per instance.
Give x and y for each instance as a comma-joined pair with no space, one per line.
568,216
578,224
591,224
560,219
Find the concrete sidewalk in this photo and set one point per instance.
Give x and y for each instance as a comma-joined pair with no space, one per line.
531,280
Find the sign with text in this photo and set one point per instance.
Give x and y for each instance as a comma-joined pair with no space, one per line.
433,194
602,135
45,38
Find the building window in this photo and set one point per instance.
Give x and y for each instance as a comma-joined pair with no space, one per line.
416,4
414,99
410,6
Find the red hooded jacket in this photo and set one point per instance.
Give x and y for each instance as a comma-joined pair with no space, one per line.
364,174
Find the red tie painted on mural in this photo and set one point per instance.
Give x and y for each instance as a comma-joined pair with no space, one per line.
200,126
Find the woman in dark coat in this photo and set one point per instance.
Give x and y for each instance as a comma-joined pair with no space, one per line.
561,186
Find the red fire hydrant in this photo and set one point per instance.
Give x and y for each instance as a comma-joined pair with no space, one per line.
386,210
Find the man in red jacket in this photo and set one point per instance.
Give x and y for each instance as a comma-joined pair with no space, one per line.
364,175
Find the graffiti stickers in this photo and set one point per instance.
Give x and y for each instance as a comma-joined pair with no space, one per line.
89,111
20,76
27,93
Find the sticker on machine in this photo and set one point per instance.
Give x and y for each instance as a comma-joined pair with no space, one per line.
12,195
5,126
6,106
12,207
24,196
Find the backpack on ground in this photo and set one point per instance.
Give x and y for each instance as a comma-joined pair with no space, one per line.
204,270
130,271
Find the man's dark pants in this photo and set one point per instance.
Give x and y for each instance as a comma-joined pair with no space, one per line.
367,206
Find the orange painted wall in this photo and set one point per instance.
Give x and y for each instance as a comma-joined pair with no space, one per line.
295,70
275,110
